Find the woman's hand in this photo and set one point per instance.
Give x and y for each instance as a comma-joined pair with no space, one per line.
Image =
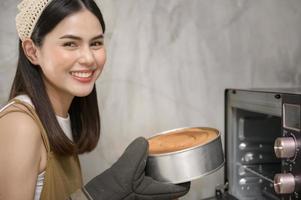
126,179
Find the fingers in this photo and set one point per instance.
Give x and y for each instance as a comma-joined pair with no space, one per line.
185,185
132,162
161,191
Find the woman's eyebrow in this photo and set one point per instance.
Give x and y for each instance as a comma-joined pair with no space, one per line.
98,37
79,38
70,37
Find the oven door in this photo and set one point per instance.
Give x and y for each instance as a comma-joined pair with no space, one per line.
252,123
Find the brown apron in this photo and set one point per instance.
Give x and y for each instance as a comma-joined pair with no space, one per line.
62,174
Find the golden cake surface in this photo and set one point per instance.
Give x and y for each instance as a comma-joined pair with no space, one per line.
181,139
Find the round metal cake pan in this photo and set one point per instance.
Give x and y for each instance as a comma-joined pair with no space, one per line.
187,164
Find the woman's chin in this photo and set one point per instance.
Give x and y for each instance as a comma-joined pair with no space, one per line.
82,93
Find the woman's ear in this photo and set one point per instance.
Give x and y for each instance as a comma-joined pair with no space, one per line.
30,51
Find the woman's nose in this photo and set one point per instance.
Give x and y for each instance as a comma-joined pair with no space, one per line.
86,57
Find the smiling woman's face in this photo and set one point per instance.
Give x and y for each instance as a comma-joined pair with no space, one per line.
72,55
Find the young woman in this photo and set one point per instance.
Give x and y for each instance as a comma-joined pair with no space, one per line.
52,115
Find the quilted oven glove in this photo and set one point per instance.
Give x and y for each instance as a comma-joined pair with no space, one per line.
126,179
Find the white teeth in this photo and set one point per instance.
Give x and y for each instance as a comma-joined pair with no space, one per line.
81,74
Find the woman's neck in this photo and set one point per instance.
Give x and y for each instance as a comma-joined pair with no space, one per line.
60,106
60,103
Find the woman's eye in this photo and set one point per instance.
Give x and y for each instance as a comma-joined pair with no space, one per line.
69,44
97,43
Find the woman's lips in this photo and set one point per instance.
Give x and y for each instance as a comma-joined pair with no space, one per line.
84,76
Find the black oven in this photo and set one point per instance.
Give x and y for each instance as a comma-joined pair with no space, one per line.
262,145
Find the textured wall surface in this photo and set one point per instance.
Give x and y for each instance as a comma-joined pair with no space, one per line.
8,46
170,61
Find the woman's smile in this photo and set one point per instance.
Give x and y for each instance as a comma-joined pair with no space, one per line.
84,76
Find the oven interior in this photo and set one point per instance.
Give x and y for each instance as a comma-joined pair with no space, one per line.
254,160
251,161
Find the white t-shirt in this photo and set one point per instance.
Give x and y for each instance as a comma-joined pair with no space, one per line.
65,124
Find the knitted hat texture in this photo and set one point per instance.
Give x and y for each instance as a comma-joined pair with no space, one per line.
28,16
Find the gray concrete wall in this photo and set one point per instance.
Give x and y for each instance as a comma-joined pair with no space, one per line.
170,61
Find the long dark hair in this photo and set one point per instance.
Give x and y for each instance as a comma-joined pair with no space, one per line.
84,114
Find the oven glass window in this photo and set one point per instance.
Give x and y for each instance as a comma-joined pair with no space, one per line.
291,116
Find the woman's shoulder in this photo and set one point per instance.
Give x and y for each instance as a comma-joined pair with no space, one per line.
17,123
20,147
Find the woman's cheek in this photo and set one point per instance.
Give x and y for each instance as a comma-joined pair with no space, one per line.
98,72
64,56
101,57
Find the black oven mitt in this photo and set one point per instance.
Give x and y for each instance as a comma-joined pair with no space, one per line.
126,179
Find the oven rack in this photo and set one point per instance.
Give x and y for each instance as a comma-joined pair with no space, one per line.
265,172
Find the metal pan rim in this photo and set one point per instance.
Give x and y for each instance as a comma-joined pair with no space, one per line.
197,177
186,149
